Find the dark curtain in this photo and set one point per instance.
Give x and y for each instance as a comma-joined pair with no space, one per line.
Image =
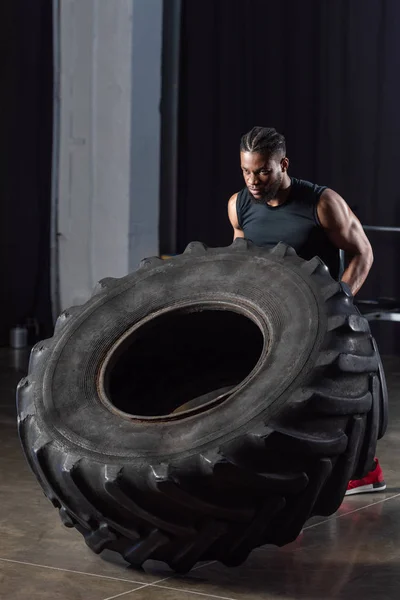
25,180
323,72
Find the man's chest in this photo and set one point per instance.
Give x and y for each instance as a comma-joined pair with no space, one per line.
266,227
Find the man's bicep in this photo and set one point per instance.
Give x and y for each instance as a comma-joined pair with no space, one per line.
340,223
238,233
349,237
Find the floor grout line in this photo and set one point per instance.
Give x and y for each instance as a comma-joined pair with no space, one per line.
128,592
174,575
212,562
167,587
351,512
335,516
21,562
158,582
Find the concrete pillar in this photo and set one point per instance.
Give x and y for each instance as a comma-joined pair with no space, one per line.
108,191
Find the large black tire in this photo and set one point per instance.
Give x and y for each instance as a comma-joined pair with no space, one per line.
204,405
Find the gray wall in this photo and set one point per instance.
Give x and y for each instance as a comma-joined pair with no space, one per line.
109,140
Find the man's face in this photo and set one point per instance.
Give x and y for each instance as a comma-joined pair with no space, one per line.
263,175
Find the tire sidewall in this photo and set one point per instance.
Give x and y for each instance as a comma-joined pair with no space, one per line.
276,294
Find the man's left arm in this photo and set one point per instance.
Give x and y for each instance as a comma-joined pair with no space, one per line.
346,233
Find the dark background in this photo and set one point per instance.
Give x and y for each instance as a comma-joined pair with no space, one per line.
25,171
323,72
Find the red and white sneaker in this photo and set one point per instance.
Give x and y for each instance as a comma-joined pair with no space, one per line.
373,482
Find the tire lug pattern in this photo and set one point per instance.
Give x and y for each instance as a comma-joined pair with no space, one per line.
104,285
150,262
281,250
137,554
196,248
257,485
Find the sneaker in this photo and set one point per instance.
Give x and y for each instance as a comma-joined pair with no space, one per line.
373,482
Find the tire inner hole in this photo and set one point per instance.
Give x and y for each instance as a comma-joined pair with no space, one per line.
181,360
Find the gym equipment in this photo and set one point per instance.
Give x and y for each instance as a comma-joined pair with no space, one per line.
381,309
204,405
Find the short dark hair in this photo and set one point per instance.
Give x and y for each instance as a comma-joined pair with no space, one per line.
264,140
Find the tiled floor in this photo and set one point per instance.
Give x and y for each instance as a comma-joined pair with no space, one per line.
353,554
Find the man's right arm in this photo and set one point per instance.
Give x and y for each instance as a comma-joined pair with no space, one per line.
232,214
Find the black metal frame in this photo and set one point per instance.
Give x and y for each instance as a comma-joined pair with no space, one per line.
381,313
168,224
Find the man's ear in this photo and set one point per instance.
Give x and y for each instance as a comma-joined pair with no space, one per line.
284,164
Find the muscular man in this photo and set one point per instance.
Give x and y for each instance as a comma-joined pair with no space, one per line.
274,207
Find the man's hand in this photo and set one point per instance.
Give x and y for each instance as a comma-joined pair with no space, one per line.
232,214
346,233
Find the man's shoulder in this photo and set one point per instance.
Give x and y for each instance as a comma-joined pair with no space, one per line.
233,198
307,190
239,198
296,181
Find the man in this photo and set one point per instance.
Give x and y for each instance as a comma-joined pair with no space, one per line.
274,207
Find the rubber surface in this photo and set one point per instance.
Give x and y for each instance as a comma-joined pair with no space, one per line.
204,405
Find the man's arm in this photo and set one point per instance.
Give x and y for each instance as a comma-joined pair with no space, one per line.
232,214
345,232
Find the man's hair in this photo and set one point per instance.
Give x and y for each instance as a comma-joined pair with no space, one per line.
264,140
